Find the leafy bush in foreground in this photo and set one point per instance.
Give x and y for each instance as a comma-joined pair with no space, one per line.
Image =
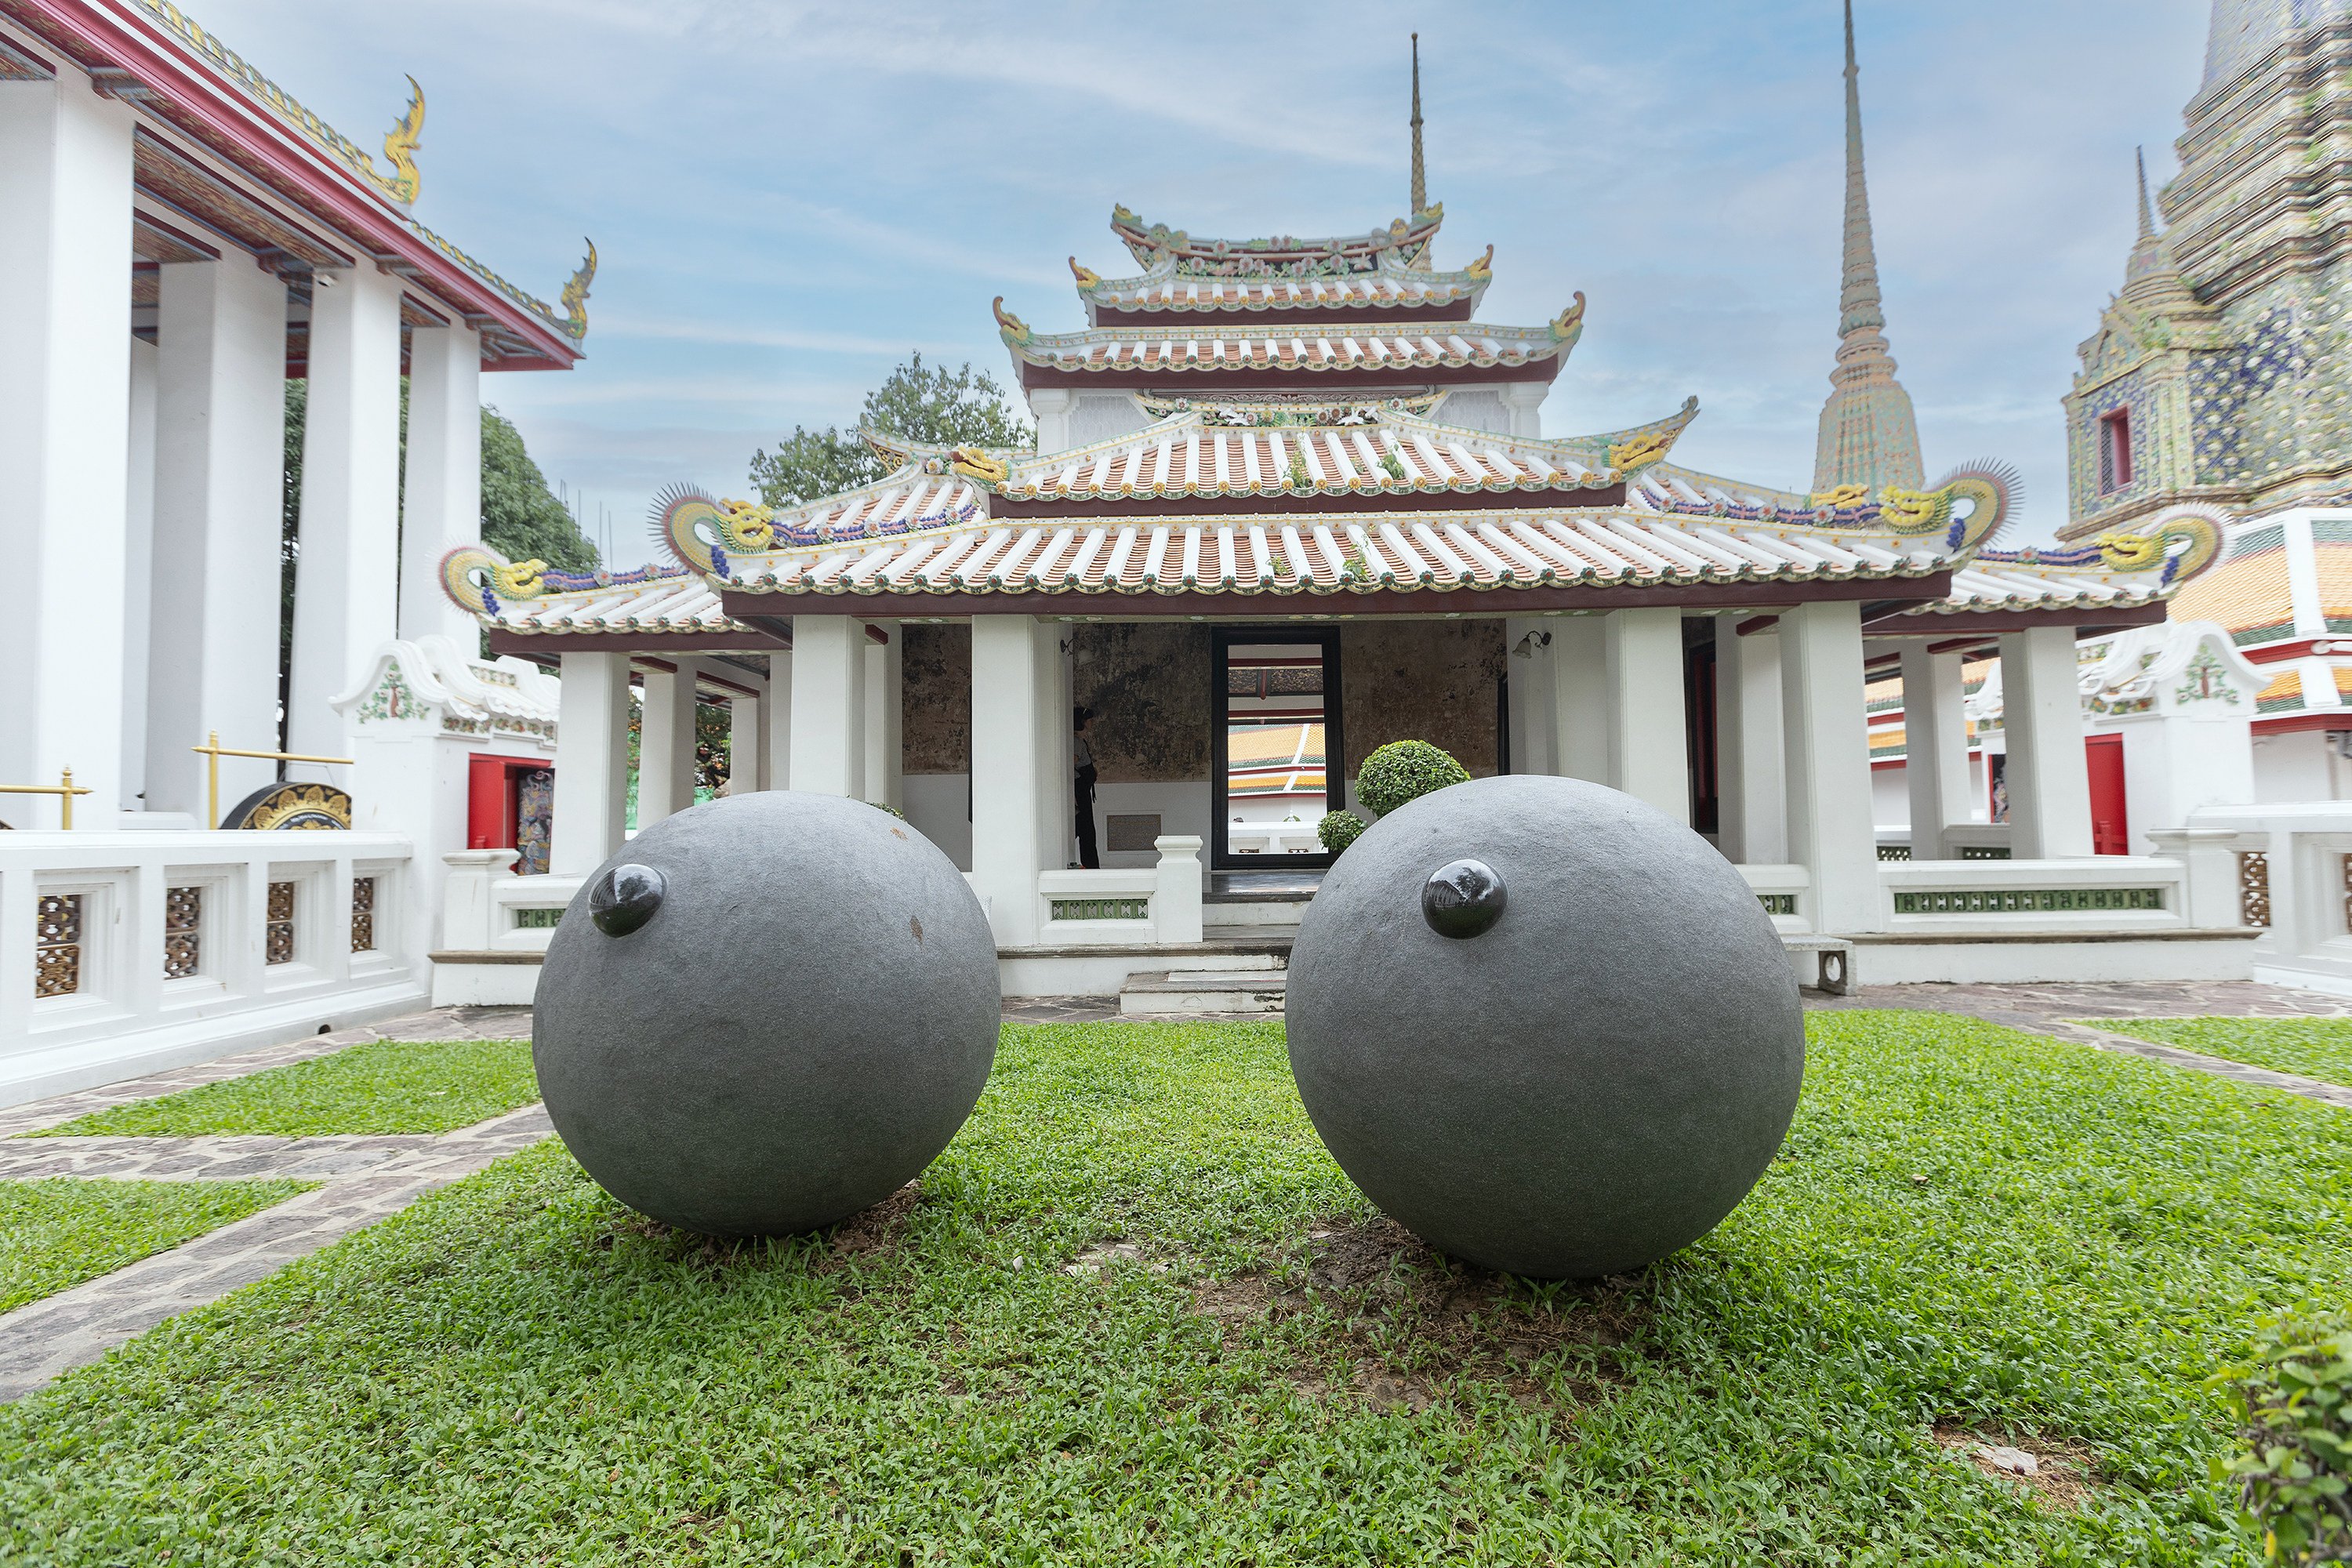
2294,1401
1402,770
1338,829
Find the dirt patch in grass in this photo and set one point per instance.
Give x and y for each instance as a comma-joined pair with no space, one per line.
871,1231
1411,1324
2058,1471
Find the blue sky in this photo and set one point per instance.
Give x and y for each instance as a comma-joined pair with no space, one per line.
788,198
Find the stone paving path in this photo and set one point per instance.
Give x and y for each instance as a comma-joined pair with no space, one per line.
366,1180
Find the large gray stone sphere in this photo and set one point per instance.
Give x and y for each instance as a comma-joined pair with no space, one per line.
1589,1071
799,1011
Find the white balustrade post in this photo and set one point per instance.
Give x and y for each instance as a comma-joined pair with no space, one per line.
346,581
829,705
441,498
1649,747
65,431
666,772
592,759
1828,756
2209,858
1752,812
1580,686
220,454
1935,748
467,911
1176,895
885,672
1011,720
2048,776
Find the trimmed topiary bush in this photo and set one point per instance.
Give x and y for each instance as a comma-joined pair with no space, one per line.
1402,770
2295,1471
1338,829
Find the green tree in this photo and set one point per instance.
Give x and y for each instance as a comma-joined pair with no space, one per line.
923,402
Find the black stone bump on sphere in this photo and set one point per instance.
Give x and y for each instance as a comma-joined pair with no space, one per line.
802,1029
1597,1079
625,897
1463,898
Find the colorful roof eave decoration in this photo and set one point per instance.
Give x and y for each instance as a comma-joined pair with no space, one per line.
1167,288
2119,570
1153,245
1411,347
153,57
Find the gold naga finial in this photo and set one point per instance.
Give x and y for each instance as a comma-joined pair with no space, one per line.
746,525
1843,496
2124,551
1086,275
1643,450
1569,325
975,464
1014,330
1485,266
1913,511
400,145
575,294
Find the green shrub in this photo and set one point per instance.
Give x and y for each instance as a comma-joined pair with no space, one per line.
1338,829
880,806
2294,1405
1402,770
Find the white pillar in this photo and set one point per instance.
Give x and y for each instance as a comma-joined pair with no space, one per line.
746,754
220,445
65,434
1828,755
137,575
665,773
1753,807
884,671
441,498
1532,708
1018,800
1580,690
776,722
828,749
346,583
591,763
1935,748
1649,748
2041,713
1524,399
1052,407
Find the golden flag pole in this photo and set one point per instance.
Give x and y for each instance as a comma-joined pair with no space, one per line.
65,789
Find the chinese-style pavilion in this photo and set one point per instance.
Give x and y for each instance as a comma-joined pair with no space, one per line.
1300,483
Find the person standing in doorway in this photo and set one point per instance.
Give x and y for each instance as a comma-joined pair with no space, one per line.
1083,756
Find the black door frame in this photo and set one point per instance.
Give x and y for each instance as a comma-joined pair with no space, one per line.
1335,753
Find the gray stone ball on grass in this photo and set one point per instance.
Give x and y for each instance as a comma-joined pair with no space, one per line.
766,1013
1544,1027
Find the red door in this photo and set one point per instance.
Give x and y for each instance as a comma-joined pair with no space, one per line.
2110,829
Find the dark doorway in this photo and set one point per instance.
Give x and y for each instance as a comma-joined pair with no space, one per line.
1277,764
1698,721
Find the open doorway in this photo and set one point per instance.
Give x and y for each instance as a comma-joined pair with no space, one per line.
1278,765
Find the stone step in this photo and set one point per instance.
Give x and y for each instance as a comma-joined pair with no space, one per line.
1237,993
1252,915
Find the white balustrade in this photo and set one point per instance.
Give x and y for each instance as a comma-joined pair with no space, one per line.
124,952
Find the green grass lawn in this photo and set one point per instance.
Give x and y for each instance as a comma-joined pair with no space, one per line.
392,1086
1136,1315
2314,1048
57,1233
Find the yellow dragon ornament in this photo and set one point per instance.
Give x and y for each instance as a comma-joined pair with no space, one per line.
497,577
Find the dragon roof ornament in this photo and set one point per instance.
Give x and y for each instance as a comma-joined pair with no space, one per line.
1278,256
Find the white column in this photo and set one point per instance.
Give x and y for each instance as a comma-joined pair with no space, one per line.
1532,708
746,756
666,744
65,433
220,445
1935,748
1648,746
1052,407
1524,399
885,669
1580,690
591,763
346,583
1015,678
828,720
137,575
2041,713
441,498
776,722
1828,755
1752,802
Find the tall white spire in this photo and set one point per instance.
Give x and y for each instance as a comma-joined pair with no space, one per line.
1869,436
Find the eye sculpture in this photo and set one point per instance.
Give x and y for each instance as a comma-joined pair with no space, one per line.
766,1014
1569,1078
625,897
1463,898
